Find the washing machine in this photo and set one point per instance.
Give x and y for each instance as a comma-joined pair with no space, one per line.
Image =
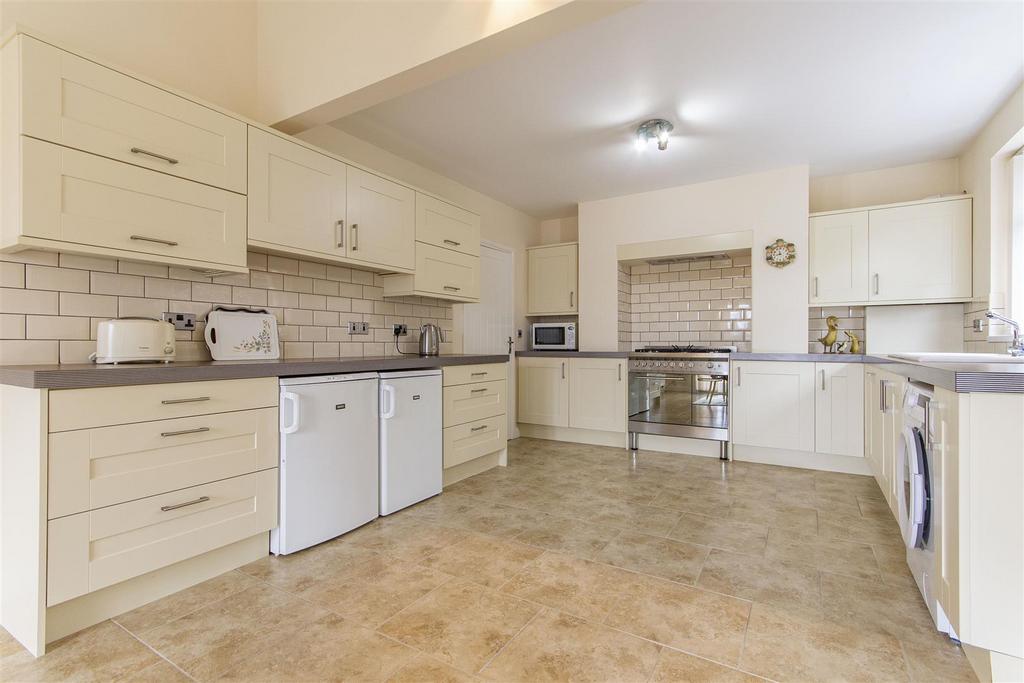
919,496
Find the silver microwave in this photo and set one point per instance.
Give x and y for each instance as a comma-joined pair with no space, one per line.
554,336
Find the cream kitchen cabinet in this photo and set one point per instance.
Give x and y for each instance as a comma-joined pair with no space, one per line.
440,273
296,197
79,202
883,419
381,221
446,225
598,394
552,279
773,405
872,421
839,409
75,102
921,252
475,419
839,257
543,391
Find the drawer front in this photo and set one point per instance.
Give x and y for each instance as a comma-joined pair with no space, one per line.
447,272
94,468
444,225
104,406
467,442
467,374
93,550
81,198
80,104
469,402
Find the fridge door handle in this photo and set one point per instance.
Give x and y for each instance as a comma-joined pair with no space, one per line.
387,406
294,400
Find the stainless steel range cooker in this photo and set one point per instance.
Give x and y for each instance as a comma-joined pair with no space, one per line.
680,391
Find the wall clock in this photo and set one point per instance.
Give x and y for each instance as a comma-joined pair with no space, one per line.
780,253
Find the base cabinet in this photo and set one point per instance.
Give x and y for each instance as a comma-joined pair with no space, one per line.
543,391
838,409
581,393
475,417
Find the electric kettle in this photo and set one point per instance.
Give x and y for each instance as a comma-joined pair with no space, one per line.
430,340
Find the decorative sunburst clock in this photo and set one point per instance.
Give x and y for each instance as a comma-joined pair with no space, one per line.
780,253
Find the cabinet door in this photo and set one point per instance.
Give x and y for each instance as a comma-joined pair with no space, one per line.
381,221
773,405
446,273
921,252
946,415
871,407
444,225
83,199
892,424
544,391
597,394
296,195
839,409
839,258
78,103
552,280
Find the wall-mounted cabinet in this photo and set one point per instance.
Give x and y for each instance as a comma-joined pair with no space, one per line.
552,280
909,253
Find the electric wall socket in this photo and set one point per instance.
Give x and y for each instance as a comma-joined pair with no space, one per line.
401,330
358,328
182,321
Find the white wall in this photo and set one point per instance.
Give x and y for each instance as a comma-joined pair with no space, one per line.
206,49
770,205
498,222
885,186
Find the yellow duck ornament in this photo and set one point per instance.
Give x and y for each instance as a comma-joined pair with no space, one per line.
829,340
854,341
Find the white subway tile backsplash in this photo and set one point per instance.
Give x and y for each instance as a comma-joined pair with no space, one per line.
28,301
57,327
144,269
56,279
81,262
135,307
33,256
118,285
162,288
12,326
23,352
12,274
202,291
280,264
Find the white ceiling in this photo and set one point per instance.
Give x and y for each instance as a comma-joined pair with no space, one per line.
750,86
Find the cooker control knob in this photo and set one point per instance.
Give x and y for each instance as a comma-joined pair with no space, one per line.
711,365
689,365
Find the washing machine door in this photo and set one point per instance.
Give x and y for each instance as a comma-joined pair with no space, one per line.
914,490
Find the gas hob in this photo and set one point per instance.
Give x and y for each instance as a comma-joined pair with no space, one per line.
682,360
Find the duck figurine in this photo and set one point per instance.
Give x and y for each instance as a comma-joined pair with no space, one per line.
854,341
829,340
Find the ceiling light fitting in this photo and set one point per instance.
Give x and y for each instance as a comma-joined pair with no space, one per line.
654,129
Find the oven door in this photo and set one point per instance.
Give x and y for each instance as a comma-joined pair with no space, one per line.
695,406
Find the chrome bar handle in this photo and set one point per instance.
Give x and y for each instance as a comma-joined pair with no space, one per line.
355,236
175,401
739,375
815,286
161,157
881,396
823,379
340,225
477,429
477,374
452,242
452,288
143,238
620,371
477,391
563,369
571,295
927,421
876,283
180,432
200,499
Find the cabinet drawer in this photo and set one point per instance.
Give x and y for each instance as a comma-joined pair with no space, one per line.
80,104
469,402
94,468
92,550
469,441
446,272
444,225
103,406
466,374
79,198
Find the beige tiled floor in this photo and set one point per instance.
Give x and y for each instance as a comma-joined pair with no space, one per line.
570,564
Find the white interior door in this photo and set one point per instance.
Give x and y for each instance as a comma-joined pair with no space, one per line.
489,325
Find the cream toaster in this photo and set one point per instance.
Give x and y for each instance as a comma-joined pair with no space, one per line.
134,340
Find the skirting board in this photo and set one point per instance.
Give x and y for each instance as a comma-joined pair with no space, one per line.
92,608
702,447
474,467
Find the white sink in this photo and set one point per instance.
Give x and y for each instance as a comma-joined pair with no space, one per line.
958,357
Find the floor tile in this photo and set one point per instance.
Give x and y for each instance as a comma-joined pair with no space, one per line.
484,559
160,672
573,585
329,648
103,652
669,559
938,659
776,514
184,602
403,538
828,554
299,570
374,591
674,666
792,645
761,579
423,669
634,517
566,535
727,534
686,618
872,605
462,624
695,499
861,529
558,647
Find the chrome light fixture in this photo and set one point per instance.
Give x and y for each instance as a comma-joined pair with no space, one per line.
654,129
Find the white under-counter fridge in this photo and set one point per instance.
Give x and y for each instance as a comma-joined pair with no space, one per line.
410,438
329,458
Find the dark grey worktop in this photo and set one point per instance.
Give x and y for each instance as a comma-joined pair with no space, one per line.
573,354
83,375
804,357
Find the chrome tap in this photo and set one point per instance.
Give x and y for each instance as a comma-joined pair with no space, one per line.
1017,345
